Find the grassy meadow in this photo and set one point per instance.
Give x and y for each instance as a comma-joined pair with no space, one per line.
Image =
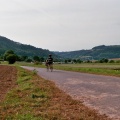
110,69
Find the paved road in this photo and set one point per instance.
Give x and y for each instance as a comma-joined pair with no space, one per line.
96,91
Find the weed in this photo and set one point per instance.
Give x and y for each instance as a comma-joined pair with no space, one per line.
34,72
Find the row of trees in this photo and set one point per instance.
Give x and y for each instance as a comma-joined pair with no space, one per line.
103,60
11,57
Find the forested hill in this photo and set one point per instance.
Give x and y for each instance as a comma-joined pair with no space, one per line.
97,52
21,49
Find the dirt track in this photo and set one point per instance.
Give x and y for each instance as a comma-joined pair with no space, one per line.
7,79
96,91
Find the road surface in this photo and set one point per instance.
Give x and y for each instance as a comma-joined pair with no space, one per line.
96,91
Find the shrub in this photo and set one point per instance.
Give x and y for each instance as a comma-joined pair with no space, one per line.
28,60
118,61
11,58
104,60
111,61
37,63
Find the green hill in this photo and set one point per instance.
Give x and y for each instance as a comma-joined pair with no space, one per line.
21,49
96,53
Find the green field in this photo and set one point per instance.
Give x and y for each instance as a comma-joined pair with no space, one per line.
94,68
112,69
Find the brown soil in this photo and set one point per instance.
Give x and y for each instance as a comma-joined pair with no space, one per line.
8,76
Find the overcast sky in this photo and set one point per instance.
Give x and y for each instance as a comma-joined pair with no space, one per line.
61,25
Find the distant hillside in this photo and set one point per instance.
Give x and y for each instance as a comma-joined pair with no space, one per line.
21,49
97,52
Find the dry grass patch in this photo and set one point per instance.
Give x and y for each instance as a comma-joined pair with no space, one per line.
61,106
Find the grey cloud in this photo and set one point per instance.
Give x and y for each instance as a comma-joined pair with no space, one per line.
79,24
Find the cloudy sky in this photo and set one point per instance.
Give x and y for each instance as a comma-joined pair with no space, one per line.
61,25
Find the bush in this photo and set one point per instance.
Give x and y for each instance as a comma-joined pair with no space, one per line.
118,61
37,63
111,61
28,60
11,58
104,60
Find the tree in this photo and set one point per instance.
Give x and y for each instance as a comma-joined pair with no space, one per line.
74,60
36,58
28,60
23,58
10,56
79,61
66,61
111,61
42,59
104,60
7,53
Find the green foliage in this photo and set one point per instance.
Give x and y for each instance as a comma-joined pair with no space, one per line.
118,61
37,63
95,53
66,61
111,61
28,60
34,72
42,59
11,58
23,58
104,60
79,61
21,49
7,53
36,58
26,117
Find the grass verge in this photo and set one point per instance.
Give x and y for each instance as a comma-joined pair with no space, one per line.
37,99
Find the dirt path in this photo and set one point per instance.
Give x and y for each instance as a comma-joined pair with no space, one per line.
8,76
96,91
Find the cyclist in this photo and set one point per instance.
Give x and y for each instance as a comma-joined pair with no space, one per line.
50,63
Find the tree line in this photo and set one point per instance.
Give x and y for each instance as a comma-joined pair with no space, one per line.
11,57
